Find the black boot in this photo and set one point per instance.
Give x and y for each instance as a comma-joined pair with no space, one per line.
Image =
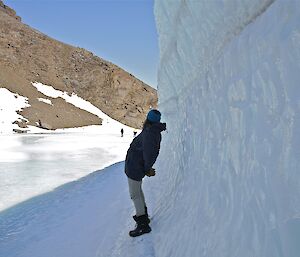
142,226
146,213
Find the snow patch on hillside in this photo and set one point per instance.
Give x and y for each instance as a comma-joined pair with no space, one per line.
109,125
10,103
46,101
73,99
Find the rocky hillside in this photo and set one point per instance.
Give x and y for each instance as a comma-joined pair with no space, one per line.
27,55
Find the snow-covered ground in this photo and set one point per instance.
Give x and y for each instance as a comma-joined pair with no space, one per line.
36,163
44,211
55,198
41,160
85,218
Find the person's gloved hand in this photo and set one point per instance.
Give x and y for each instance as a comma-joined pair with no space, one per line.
151,172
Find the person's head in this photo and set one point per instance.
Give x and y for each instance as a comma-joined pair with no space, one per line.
153,116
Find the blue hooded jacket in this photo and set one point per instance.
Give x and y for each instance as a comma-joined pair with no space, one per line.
143,151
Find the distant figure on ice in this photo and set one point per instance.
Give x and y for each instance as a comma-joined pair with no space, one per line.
134,133
122,132
141,156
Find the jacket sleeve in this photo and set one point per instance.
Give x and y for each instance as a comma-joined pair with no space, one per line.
151,146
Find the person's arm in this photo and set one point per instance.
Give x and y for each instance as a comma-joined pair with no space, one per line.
151,146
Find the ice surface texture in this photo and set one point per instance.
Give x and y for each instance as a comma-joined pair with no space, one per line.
229,91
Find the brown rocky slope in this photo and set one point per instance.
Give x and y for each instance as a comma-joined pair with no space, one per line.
27,55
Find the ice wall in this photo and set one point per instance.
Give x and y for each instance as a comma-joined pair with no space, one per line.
228,86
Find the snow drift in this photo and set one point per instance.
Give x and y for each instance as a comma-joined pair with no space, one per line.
229,90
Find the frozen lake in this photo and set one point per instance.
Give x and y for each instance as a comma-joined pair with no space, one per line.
36,163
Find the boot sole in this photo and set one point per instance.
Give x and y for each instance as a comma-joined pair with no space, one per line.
140,233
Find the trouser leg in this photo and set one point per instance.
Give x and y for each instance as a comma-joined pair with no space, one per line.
137,196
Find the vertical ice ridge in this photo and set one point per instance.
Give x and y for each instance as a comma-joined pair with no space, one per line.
213,40
229,166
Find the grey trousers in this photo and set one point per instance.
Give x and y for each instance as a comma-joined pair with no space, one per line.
137,196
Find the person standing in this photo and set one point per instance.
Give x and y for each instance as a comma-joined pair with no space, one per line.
140,158
122,132
134,133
